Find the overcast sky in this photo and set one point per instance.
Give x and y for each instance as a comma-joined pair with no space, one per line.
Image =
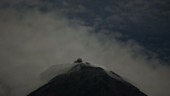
35,36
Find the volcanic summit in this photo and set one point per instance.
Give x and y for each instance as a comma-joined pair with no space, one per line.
83,79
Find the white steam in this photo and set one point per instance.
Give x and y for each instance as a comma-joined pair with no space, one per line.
31,42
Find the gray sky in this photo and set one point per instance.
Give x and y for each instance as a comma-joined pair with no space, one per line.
32,41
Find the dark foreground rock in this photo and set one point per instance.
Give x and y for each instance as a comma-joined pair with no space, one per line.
86,80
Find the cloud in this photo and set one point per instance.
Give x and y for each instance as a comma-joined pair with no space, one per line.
32,41
139,11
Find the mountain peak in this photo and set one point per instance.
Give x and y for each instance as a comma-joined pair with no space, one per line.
86,80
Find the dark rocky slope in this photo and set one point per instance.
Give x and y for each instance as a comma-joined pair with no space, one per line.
86,80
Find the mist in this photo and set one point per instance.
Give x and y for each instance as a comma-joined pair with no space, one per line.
31,42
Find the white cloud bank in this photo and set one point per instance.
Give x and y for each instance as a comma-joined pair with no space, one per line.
31,42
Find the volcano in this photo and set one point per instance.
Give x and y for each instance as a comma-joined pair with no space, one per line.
83,79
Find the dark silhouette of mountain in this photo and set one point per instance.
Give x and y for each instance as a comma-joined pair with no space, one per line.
86,80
